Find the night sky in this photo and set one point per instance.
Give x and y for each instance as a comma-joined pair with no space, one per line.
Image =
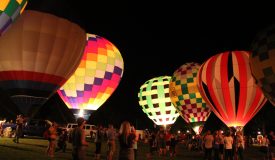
157,38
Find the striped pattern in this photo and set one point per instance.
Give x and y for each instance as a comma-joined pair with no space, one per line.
97,76
226,83
262,61
185,95
155,101
37,55
9,11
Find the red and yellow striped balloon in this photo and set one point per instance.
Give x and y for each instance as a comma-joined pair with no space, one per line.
226,84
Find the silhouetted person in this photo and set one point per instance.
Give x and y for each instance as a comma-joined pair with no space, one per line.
52,131
62,141
19,128
271,138
126,141
98,141
79,140
240,145
111,138
208,145
228,145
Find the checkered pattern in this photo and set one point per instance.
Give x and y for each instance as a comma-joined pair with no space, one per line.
185,95
97,76
262,62
155,101
9,11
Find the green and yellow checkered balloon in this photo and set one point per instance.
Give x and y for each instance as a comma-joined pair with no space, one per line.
155,101
185,95
9,11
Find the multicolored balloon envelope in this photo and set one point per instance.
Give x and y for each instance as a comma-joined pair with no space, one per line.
9,11
226,84
262,61
186,97
37,55
97,76
155,101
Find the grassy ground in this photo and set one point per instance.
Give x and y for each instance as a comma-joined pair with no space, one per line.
34,149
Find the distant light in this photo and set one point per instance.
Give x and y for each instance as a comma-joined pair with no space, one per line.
222,132
187,131
178,131
196,129
259,132
81,113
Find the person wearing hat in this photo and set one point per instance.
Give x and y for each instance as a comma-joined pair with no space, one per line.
79,140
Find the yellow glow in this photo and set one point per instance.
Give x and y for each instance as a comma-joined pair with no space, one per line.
3,4
19,1
235,124
193,101
92,107
102,58
186,96
23,8
196,129
80,72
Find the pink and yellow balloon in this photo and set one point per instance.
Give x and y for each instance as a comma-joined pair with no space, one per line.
96,78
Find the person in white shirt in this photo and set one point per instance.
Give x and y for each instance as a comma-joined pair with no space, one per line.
221,147
228,143
208,145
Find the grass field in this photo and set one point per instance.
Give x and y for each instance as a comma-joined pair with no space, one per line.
34,149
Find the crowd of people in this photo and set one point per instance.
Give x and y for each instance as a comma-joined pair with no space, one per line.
126,137
161,141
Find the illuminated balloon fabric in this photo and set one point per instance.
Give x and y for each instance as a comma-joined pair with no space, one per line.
262,62
185,95
226,84
37,55
155,101
97,76
9,11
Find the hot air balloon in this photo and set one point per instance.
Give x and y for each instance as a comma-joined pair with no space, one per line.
186,97
9,11
262,61
96,78
37,55
155,101
226,84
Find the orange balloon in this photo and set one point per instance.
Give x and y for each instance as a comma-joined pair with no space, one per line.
37,55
